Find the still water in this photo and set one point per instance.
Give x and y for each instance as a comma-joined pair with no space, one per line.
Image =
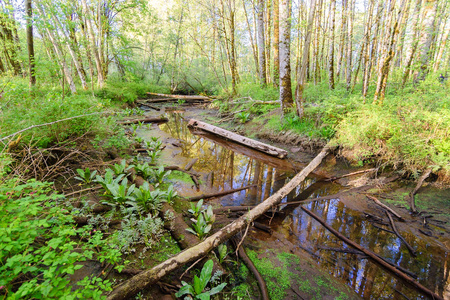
225,165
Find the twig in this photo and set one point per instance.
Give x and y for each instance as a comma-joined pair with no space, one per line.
351,174
419,184
45,124
85,190
191,266
243,237
410,249
386,207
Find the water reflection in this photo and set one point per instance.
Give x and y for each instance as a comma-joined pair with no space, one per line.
227,165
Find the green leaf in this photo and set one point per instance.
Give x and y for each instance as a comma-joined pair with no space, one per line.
205,275
198,286
217,289
185,289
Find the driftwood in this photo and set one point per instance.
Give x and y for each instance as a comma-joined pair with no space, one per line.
410,249
271,150
144,121
185,97
375,257
385,207
422,178
220,194
135,284
351,174
248,262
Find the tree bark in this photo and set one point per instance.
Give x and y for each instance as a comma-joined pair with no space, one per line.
415,41
132,286
286,100
30,43
261,44
331,49
276,43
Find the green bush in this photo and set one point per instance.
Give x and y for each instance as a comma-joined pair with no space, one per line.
39,248
128,91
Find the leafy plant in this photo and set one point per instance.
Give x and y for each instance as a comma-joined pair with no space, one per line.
199,227
153,154
122,168
223,252
138,139
144,170
196,209
170,194
134,128
159,174
197,290
243,116
85,175
209,216
181,101
121,193
146,200
108,179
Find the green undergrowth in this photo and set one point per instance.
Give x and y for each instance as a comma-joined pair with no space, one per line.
40,246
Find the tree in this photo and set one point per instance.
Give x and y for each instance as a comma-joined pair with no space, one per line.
331,46
261,43
30,43
276,42
285,56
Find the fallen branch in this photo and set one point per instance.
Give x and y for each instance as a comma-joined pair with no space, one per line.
46,124
271,150
84,190
190,164
220,194
251,266
135,284
422,178
375,257
144,121
351,174
149,106
410,249
186,97
385,207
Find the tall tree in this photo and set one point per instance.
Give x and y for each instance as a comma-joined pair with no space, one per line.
302,68
426,38
30,43
261,43
285,56
276,41
331,45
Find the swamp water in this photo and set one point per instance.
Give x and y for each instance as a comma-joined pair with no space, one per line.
225,165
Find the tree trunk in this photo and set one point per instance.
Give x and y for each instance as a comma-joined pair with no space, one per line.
135,284
302,68
426,38
252,42
342,39
30,43
331,50
286,100
276,43
98,63
415,41
350,44
261,44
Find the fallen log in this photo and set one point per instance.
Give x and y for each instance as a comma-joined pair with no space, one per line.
271,150
351,174
144,121
135,284
251,266
410,249
386,207
220,194
190,97
375,257
149,106
422,178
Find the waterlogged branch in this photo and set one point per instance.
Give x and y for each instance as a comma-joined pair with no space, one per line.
46,124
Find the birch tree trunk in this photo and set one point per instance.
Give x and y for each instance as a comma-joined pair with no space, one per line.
30,43
302,68
98,63
276,42
426,37
331,49
261,43
285,57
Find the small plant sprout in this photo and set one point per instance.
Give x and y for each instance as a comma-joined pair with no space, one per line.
134,128
223,252
140,124
197,290
199,227
196,209
159,174
153,154
209,216
138,139
85,175
122,168
181,101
